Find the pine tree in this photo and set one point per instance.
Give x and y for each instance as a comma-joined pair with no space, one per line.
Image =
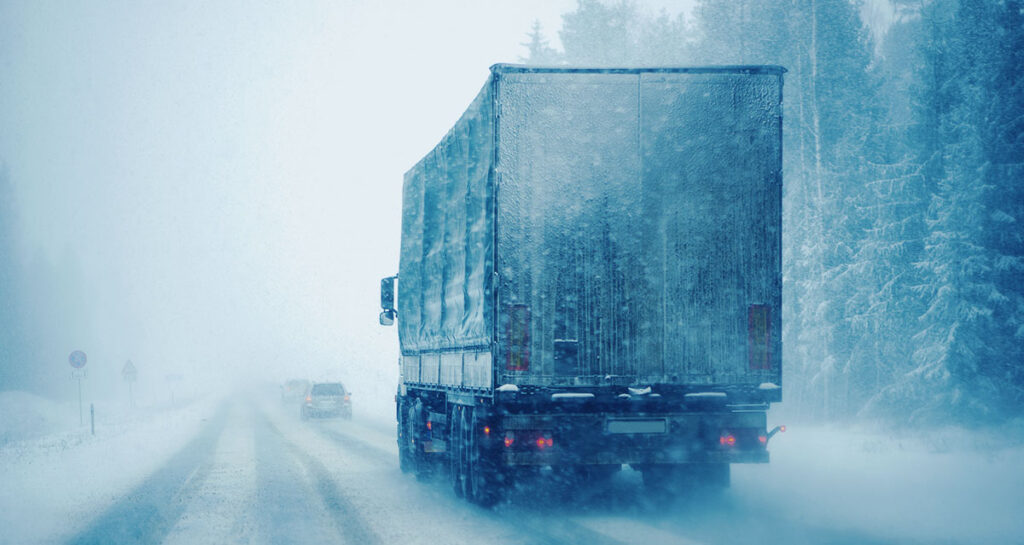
601,35
538,50
967,354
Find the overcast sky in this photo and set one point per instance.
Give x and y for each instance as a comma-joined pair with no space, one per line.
225,177
229,173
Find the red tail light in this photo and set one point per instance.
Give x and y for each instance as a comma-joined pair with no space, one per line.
487,430
309,399
544,442
728,440
509,439
518,338
430,425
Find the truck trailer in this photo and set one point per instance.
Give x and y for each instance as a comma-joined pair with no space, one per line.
590,278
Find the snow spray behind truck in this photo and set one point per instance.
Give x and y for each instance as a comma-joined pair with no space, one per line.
590,276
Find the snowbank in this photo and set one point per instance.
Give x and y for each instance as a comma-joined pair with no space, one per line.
57,477
24,415
949,486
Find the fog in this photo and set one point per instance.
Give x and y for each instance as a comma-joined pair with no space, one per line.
220,183
213,192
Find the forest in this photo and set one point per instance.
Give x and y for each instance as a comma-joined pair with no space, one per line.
903,244
903,250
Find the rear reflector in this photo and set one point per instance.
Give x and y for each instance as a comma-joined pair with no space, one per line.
759,336
518,338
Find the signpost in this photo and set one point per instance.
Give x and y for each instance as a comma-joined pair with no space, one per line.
77,360
171,379
130,374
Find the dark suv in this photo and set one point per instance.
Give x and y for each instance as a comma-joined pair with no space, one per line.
327,399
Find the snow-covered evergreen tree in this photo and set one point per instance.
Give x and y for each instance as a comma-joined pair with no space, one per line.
539,52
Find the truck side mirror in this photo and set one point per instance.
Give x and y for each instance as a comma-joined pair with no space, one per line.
387,300
387,293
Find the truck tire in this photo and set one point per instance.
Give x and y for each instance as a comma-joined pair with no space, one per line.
421,465
456,452
485,486
404,440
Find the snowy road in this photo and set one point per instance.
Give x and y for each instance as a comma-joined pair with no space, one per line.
248,470
254,473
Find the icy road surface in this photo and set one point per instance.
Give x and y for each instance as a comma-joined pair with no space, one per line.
249,471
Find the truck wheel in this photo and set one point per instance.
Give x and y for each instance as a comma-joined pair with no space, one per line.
485,486
456,463
404,450
421,466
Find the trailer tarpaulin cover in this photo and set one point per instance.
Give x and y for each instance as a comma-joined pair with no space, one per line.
629,221
639,217
447,238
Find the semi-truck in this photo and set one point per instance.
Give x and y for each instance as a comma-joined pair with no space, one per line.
590,279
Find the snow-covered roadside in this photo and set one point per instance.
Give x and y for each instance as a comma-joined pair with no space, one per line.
948,486
54,484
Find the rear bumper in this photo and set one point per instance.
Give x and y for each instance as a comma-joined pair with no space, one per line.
327,412
636,439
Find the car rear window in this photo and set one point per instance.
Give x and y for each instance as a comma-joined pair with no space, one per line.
328,389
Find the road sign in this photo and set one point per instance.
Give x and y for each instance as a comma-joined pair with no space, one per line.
77,359
129,372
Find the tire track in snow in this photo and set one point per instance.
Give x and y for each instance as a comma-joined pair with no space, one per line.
549,521
360,447
547,530
147,513
283,503
220,508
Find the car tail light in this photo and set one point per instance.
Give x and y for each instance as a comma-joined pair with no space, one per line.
763,439
544,442
727,440
518,338
346,398
309,399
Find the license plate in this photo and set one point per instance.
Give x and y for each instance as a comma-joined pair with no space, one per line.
654,425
